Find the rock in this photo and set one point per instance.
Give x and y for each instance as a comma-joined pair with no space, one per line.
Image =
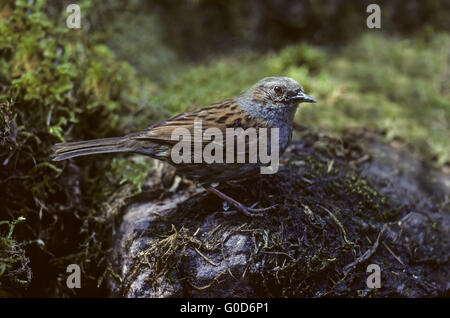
340,207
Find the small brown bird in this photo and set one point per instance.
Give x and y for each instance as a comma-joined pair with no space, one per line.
270,103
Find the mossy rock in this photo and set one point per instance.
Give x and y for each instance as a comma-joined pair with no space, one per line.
333,217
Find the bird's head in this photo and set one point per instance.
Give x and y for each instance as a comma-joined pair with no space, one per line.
274,99
280,91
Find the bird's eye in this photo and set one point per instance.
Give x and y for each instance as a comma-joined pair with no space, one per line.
278,90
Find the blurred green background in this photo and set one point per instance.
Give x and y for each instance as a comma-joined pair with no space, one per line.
135,62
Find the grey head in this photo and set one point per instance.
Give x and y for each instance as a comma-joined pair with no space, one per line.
274,99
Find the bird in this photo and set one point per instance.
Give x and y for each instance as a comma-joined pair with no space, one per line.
270,103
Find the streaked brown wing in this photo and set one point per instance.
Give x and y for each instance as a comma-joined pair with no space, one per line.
222,115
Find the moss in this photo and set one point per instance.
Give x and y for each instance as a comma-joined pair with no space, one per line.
396,86
57,85
15,271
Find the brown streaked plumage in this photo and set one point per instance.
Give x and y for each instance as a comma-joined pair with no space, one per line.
271,103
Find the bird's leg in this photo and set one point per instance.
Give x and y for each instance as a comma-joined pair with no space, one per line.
248,211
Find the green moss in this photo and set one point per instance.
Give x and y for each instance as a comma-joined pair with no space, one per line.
15,272
57,85
397,86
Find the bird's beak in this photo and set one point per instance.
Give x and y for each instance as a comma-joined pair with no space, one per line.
303,98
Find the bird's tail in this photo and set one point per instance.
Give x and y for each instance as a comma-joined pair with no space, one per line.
68,150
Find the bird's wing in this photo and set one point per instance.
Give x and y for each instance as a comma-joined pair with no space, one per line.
221,115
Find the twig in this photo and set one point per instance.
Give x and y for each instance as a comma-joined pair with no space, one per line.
403,226
366,255
340,226
156,213
392,253
361,159
210,284
206,258
330,166
279,253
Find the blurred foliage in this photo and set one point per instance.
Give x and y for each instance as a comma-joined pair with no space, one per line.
156,34
58,84
400,87
195,29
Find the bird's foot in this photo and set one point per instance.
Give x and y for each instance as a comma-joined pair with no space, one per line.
248,211
251,212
